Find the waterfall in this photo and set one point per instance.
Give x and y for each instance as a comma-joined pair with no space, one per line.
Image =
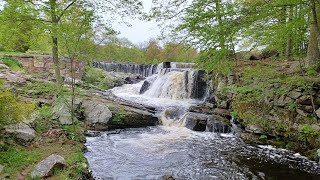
145,70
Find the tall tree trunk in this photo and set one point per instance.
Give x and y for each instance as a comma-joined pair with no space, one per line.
55,55
55,52
313,54
289,46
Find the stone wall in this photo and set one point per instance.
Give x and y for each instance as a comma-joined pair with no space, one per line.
39,64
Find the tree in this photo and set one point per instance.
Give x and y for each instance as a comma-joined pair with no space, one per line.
17,35
217,27
51,12
153,52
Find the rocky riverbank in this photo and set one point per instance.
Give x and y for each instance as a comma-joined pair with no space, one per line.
274,103
50,143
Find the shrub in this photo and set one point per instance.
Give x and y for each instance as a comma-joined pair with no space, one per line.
12,109
97,77
12,64
119,116
307,134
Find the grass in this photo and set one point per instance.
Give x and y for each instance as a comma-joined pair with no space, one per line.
12,53
17,159
13,64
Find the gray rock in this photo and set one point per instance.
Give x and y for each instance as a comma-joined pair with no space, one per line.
96,113
1,168
145,86
222,105
195,121
254,129
304,100
46,167
167,177
282,101
22,132
302,112
222,112
218,124
318,113
294,94
61,111
308,109
3,66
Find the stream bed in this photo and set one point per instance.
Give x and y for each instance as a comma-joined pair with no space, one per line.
173,150
150,153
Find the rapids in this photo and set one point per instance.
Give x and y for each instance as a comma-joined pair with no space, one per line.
172,149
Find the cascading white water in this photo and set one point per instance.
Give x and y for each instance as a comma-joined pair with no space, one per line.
171,149
169,87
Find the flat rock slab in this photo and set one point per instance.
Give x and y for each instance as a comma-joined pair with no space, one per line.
46,166
22,131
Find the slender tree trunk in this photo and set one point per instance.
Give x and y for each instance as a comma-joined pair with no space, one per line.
289,40
313,54
55,55
55,52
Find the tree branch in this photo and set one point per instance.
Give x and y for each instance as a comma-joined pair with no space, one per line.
65,9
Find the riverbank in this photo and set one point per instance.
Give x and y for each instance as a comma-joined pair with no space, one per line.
274,102
47,128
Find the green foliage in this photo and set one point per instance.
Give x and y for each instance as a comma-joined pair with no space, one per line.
17,158
97,77
74,132
235,115
263,137
39,88
13,109
44,120
12,64
294,81
307,134
292,105
119,116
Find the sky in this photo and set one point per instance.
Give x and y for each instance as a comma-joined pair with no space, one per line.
140,31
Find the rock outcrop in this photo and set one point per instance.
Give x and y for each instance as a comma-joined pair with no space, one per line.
97,114
46,167
22,132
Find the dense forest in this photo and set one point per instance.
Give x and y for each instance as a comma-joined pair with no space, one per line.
256,63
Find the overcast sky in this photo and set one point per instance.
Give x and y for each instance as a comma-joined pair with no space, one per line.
140,31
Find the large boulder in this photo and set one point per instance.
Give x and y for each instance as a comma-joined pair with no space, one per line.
145,86
97,114
318,113
256,129
218,124
22,132
46,167
127,117
62,112
3,66
195,121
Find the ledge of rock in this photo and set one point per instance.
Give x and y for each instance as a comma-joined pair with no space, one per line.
97,114
46,167
22,132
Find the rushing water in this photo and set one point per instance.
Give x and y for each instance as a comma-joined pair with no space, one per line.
171,149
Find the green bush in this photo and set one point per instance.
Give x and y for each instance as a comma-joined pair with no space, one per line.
12,64
44,120
119,116
307,134
97,77
12,109
74,132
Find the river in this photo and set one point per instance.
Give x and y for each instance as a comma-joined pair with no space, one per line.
172,149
